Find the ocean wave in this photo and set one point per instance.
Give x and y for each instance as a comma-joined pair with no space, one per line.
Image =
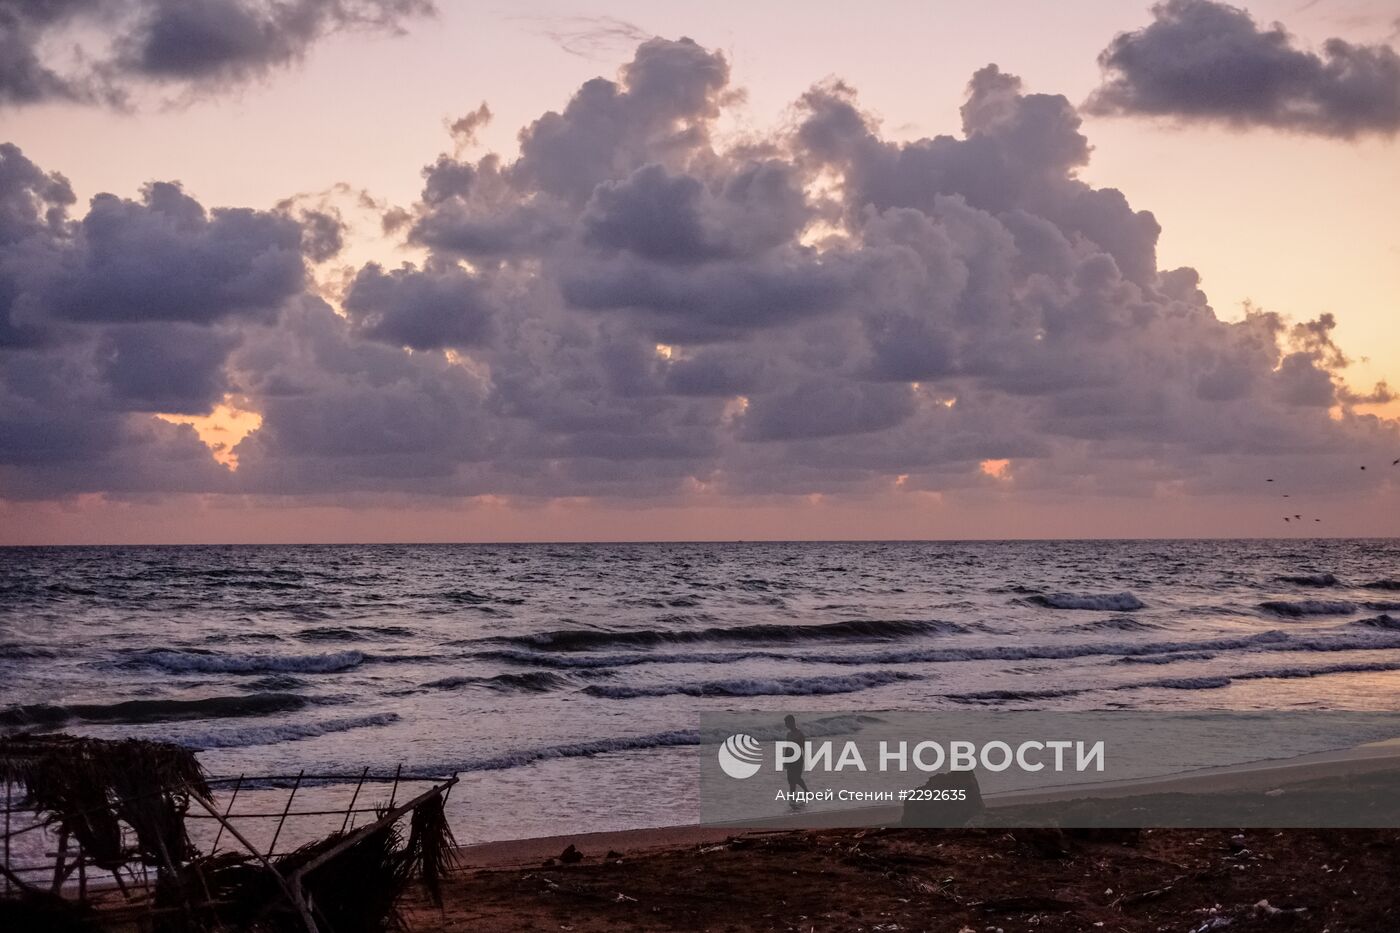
584,661
205,662
1383,622
353,632
473,598
143,711
1115,624
1382,585
1002,696
1186,683
1198,682
1309,579
285,732
1167,658
20,651
768,633
1296,609
756,686
523,682
1110,602
1272,640
1290,673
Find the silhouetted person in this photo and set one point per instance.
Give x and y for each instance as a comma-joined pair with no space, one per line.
794,768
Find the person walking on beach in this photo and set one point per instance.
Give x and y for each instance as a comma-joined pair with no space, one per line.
794,768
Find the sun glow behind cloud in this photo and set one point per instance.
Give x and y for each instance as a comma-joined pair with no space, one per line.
220,430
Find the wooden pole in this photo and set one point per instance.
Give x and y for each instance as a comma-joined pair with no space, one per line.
285,810
60,857
220,834
350,810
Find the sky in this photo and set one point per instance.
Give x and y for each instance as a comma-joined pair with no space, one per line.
389,270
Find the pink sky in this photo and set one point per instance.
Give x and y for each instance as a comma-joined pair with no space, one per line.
698,299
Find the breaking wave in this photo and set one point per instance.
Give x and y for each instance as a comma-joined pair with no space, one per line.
756,686
207,662
1110,602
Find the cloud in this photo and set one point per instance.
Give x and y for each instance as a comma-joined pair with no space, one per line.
632,309
1201,60
424,310
197,45
131,310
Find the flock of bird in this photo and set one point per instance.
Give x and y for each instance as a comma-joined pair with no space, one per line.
1299,518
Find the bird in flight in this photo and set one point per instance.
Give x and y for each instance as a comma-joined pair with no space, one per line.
1270,481
1285,518
1395,462
1363,468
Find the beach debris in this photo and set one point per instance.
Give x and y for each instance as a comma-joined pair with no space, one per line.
624,899
1265,909
1214,923
570,855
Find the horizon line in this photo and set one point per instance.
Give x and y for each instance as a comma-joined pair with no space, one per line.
618,541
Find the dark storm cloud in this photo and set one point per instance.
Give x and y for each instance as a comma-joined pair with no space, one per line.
631,309
198,44
1204,60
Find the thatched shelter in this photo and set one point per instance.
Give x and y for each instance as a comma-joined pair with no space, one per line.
124,805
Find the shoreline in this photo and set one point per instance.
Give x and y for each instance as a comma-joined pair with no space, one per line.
1254,777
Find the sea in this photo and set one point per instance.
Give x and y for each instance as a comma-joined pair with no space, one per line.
563,683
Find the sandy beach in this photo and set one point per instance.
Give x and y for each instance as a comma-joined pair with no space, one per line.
937,880
972,879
